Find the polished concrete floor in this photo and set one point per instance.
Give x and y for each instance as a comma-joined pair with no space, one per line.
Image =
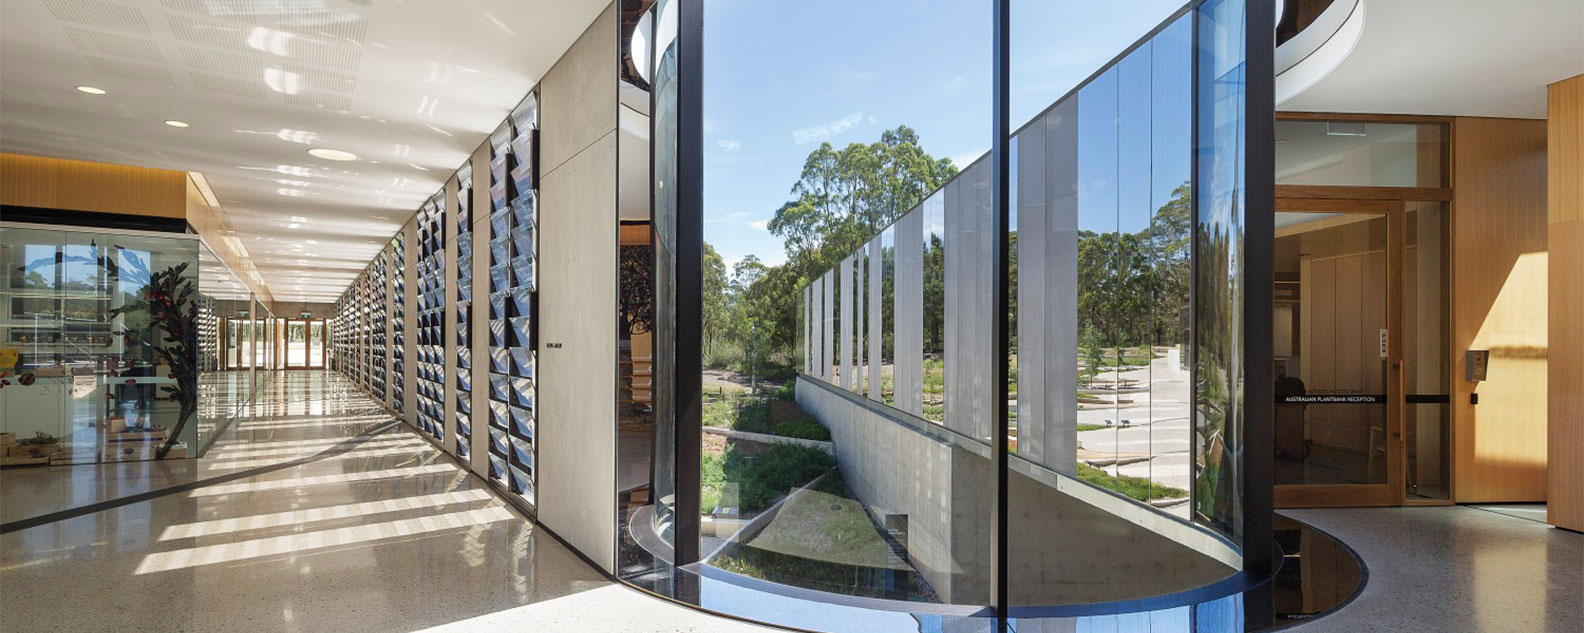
384,533
1451,569
390,535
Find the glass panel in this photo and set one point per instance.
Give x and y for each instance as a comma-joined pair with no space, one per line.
1218,236
837,304
101,346
296,344
645,328
1098,309
1426,339
888,315
1359,153
316,351
1100,271
1330,321
1171,165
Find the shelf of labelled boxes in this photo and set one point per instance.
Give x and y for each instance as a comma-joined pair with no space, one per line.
464,312
398,321
431,317
365,336
521,321
377,346
499,297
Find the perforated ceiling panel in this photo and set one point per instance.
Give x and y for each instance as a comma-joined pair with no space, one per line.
127,47
104,15
409,87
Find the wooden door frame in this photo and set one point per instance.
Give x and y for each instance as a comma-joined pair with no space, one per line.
285,344
1391,204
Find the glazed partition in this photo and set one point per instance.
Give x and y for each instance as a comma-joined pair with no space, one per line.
120,345
957,391
968,393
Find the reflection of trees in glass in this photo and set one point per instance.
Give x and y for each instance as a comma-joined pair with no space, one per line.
934,296
1122,276
1216,358
637,289
1170,244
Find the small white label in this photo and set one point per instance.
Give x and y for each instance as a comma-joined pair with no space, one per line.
1383,343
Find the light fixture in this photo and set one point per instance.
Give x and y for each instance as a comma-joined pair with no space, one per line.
331,154
175,123
90,90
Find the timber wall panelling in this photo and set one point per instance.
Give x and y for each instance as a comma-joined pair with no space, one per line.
1499,276
1565,185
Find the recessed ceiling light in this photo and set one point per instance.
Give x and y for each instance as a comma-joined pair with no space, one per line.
331,154
90,90
175,123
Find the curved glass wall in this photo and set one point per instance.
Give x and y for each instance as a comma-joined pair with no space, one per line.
847,431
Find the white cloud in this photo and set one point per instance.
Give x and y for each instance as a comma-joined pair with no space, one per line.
730,146
732,217
823,131
760,225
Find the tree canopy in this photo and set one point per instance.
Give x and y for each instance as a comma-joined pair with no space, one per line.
841,199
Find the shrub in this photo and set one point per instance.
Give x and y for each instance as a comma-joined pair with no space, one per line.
805,427
711,477
772,472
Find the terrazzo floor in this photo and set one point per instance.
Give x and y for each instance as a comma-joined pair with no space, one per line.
1453,569
388,536
392,536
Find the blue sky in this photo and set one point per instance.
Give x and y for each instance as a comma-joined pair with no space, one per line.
782,77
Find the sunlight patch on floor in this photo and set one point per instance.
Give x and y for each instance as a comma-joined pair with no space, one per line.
310,541
312,515
320,480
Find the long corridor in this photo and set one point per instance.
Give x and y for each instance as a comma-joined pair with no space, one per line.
315,511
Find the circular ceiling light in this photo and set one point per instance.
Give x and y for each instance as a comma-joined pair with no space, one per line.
331,154
90,90
175,123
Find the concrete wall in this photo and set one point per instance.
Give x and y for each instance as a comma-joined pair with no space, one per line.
577,262
1063,549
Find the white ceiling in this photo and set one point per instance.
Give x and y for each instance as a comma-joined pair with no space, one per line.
410,86
1454,57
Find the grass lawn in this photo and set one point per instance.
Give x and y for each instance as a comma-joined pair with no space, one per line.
1133,487
757,479
826,522
1092,427
823,539
770,417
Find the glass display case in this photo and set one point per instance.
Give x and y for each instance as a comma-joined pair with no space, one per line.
100,343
